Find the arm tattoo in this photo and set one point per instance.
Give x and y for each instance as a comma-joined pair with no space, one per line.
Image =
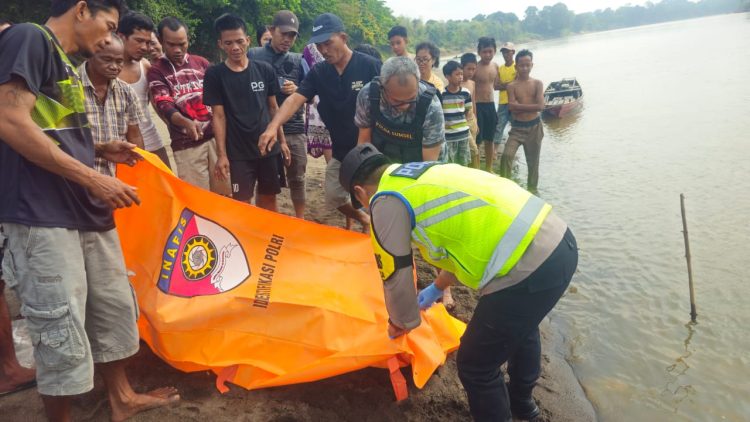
13,94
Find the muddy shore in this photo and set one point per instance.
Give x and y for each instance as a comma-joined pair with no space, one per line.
360,396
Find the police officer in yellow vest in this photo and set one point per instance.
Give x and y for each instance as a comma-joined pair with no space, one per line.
480,230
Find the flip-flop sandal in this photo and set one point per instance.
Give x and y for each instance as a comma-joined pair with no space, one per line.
20,387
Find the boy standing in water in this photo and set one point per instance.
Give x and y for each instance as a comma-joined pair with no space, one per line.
484,78
525,102
469,64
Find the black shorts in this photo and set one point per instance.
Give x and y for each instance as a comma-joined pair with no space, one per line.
487,121
267,171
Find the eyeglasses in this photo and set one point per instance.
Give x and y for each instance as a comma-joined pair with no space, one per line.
396,104
422,60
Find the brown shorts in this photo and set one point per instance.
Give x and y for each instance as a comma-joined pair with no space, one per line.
529,135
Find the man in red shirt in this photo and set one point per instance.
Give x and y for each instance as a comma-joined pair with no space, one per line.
176,84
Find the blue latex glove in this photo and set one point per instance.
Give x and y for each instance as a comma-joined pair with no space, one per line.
428,296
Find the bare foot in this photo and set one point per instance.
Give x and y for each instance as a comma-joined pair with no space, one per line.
448,299
161,397
14,377
348,223
364,220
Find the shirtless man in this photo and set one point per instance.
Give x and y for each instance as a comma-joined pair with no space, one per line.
484,78
136,31
469,64
525,101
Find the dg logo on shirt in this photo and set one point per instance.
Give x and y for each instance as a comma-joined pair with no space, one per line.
258,86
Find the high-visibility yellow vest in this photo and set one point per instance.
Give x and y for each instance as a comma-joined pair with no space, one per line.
469,222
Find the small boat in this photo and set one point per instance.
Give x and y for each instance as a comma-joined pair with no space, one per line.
562,97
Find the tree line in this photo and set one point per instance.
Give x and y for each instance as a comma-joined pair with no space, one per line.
368,21
558,20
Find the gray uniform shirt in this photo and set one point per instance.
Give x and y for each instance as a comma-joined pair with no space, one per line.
391,225
433,129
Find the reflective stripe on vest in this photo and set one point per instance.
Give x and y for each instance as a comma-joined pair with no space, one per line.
453,211
434,203
504,249
512,238
420,235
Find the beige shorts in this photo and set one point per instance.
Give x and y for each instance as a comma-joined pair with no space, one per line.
79,305
196,166
336,195
295,173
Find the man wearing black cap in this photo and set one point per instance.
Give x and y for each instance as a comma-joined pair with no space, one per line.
337,82
288,66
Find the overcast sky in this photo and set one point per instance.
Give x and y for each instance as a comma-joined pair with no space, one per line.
467,9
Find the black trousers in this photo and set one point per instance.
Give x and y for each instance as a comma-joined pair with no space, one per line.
505,327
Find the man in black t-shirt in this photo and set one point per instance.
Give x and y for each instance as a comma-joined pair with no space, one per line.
63,256
337,81
288,66
242,94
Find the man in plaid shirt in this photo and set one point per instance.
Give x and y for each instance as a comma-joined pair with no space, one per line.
112,106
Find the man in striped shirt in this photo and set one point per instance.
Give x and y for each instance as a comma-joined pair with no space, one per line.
457,108
111,105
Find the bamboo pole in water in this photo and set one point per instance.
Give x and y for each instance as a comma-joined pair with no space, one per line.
693,313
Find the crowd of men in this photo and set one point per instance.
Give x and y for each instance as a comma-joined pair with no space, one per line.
241,128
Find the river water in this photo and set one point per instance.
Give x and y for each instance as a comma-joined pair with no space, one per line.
667,111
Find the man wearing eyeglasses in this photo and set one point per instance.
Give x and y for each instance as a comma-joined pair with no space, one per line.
401,115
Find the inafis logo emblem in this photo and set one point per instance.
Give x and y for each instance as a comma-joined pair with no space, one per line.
201,258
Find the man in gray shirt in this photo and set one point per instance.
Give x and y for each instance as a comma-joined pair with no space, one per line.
289,70
407,124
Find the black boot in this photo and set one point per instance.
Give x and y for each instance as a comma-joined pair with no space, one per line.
525,409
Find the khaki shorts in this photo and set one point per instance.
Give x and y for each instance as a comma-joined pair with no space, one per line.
457,152
79,305
295,173
196,166
336,195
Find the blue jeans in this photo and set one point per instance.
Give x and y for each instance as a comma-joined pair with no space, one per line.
503,117
505,327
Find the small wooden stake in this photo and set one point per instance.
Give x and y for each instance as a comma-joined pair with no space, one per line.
693,313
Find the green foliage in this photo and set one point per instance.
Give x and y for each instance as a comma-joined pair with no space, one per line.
368,21
558,20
